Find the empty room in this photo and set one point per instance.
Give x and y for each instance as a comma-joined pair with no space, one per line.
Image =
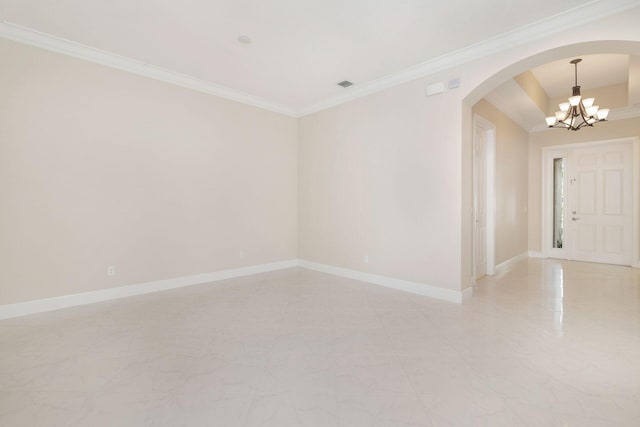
319,213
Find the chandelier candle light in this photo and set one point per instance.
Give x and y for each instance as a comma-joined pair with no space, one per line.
578,112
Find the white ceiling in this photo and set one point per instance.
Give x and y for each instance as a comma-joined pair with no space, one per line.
300,49
557,78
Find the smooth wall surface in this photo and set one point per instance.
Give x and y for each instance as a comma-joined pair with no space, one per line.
614,96
378,179
100,167
389,175
511,183
537,140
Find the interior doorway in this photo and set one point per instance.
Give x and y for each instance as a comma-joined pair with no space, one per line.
484,141
590,202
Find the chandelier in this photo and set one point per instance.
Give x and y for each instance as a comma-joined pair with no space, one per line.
578,112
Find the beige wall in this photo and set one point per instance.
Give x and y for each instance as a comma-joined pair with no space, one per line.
102,167
634,81
173,182
528,82
614,96
389,175
378,177
537,140
511,183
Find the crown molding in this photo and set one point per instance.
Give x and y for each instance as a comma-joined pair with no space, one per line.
594,10
67,47
623,113
581,15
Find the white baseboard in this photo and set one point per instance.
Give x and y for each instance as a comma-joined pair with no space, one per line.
49,304
389,282
511,261
56,303
467,293
534,254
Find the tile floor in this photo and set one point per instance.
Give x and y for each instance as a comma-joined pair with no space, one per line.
547,343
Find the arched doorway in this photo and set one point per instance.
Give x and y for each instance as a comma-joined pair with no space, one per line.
480,90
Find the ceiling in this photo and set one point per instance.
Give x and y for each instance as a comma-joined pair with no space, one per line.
557,78
300,49
601,71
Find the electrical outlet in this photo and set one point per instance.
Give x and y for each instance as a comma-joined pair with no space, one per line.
241,254
111,270
366,259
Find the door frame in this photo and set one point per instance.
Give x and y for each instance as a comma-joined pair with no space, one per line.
489,128
547,193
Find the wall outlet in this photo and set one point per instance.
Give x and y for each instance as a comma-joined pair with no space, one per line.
241,254
366,259
111,270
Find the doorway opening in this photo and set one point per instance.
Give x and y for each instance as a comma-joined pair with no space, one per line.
590,201
483,85
484,152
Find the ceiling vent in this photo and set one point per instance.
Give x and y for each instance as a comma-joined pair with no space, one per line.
345,83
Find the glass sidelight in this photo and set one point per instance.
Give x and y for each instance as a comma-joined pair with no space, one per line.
558,203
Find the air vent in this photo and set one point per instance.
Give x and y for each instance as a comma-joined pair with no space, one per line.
345,83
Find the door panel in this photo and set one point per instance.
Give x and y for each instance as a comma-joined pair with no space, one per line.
586,183
613,192
586,238
602,204
613,239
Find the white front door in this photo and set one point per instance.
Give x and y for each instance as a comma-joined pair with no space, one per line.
601,204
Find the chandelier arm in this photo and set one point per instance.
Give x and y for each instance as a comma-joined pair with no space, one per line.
582,113
583,124
585,116
560,125
571,116
567,115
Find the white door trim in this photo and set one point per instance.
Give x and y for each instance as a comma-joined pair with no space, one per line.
490,128
635,172
547,179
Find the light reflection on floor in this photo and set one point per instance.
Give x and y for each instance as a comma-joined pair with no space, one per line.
546,343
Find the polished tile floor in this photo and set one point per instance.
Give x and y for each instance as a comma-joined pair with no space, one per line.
547,343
